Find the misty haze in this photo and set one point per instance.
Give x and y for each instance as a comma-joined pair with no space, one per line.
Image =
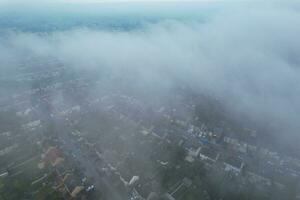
149,100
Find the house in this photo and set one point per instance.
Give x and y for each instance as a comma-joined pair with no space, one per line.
76,191
180,188
168,196
52,156
255,178
132,181
32,125
152,196
72,184
8,149
192,154
135,195
209,154
233,164
230,140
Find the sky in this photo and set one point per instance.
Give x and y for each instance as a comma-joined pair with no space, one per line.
84,1
32,4
91,1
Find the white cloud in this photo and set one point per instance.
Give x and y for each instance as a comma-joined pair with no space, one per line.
248,57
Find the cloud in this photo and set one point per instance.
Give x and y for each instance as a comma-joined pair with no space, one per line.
248,58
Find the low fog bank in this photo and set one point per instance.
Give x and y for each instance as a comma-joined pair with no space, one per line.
248,58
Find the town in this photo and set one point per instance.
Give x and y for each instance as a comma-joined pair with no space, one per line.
70,134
